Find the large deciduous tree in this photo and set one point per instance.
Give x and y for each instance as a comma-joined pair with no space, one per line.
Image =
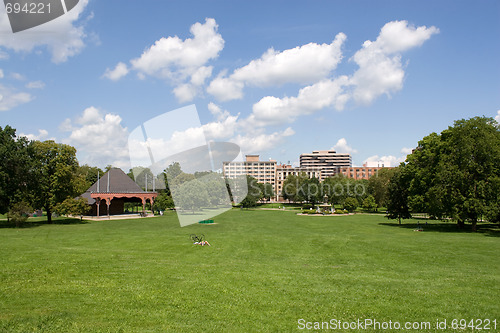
397,192
377,186
54,168
455,173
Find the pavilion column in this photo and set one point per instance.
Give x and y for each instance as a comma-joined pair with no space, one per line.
143,205
108,203
98,203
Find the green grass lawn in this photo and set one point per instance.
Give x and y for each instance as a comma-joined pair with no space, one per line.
264,271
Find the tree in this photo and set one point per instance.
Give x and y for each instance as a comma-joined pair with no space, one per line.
310,190
397,191
72,206
455,173
267,191
163,202
90,174
144,178
216,188
369,203
19,213
292,186
253,195
191,195
335,189
15,164
350,204
377,186
54,167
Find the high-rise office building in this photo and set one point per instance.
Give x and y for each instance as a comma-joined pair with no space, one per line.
329,161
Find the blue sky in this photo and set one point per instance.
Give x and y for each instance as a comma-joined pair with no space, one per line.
279,78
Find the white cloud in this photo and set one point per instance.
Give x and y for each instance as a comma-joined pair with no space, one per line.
35,85
217,112
181,62
224,128
201,74
384,161
185,92
380,72
262,142
303,64
380,69
42,135
271,110
406,151
100,139
117,73
10,98
17,76
62,37
172,57
342,147
225,89
497,117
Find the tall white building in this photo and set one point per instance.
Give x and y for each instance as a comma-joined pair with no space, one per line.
327,160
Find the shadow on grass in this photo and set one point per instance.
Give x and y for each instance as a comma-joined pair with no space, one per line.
37,223
488,229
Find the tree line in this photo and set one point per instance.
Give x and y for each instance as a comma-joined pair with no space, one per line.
451,175
337,190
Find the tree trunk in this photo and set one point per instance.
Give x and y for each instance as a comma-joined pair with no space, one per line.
474,225
49,215
460,224
399,218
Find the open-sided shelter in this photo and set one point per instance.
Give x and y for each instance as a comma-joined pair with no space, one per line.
108,195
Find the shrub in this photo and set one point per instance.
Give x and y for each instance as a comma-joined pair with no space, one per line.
19,213
350,204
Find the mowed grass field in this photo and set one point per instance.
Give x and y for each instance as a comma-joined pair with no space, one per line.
264,271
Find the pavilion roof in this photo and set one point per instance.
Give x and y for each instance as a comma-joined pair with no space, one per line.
119,182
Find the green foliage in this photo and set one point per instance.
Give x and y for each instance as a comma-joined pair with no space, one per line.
310,190
163,202
55,169
75,207
267,191
191,195
254,193
338,188
15,163
89,174
350,204
369,203
18,213
378,184
181,179
456,173
397,203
